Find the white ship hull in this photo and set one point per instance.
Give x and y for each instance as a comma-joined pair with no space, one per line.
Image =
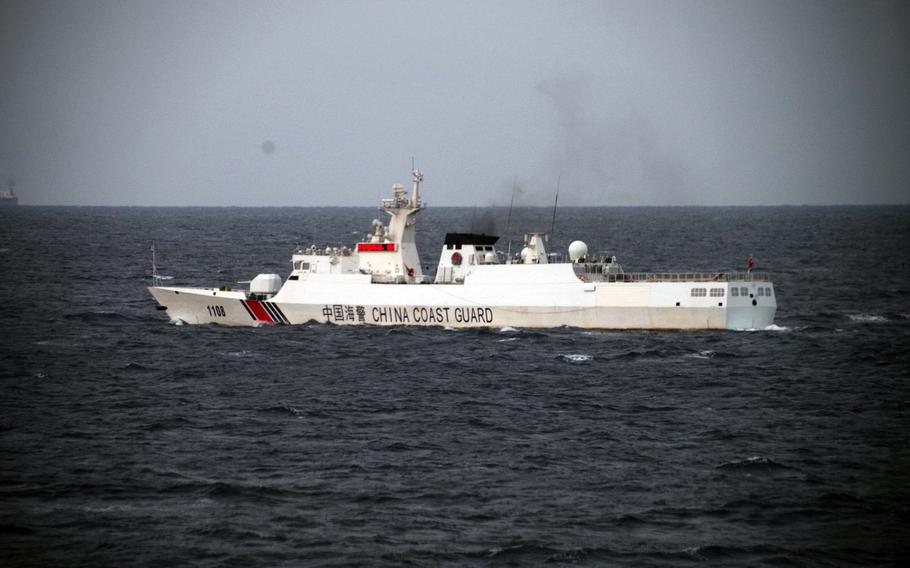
379,282
490,297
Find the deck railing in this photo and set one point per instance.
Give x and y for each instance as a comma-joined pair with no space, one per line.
678,277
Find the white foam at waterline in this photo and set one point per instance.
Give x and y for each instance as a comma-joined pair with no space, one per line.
772,327
867,318
177,321
447,328
577,357
508,329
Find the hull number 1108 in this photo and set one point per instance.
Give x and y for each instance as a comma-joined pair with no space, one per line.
216,311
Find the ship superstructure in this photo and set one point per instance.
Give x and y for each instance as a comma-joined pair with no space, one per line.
379,281
9,198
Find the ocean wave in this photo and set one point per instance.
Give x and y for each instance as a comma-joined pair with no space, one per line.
867,318
644,354
740,553
240,354
284,409
576,358
227,490
754,463
14,529
706,354
103,315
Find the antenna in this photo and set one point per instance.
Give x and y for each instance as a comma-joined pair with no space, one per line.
509,221
156,279
555,203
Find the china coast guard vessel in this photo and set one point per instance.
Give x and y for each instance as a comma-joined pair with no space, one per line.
379,282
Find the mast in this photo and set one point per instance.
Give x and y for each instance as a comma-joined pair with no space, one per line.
415,192
555,203
156,279
509,222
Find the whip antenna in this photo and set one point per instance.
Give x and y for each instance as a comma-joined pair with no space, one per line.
555,203
156,278
509,221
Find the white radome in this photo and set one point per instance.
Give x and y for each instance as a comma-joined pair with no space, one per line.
577,250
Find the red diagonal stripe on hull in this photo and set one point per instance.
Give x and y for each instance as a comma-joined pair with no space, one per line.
258,310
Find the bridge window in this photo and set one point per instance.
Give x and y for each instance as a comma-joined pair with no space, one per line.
717,292
743,291
767,291
761,291
699,292
734,291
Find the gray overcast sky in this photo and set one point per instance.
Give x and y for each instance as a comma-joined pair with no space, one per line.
631,103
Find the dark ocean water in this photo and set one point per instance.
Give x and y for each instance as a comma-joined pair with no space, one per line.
126,440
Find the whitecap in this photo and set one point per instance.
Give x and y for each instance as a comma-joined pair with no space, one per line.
507,339
509,329
576,357
754,462
867,318
706,354
239,353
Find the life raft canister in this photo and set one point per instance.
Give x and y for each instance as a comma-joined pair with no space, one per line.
456,258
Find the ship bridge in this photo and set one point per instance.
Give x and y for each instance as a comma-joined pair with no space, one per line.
461,252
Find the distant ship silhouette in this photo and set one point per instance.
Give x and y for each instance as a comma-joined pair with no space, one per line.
9,198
